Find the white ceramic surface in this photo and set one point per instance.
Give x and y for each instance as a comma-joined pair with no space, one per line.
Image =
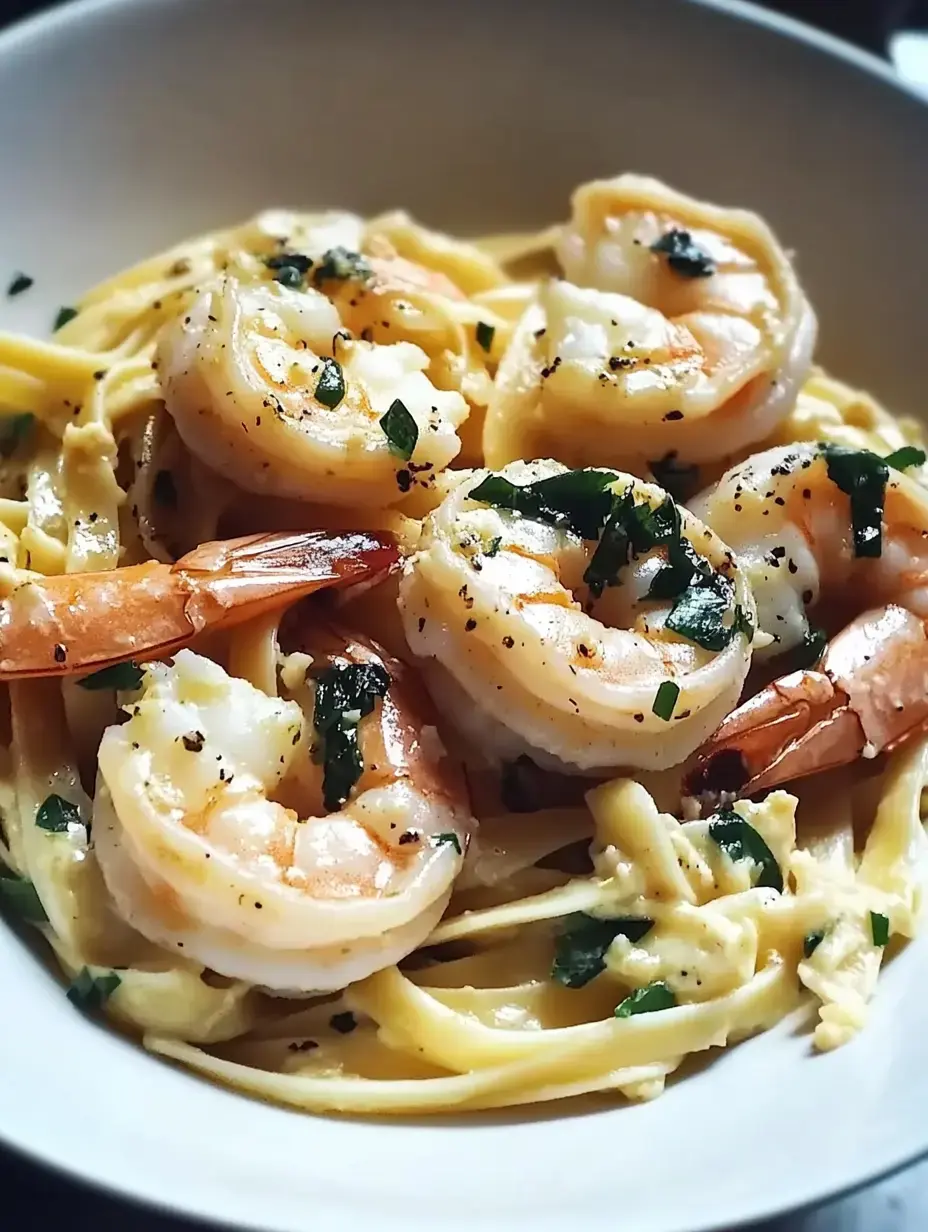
125,125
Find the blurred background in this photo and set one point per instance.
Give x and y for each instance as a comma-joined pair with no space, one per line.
897,31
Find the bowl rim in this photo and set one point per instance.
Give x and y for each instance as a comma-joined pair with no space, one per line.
51,21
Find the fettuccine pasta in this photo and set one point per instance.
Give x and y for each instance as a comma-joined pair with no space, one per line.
437,673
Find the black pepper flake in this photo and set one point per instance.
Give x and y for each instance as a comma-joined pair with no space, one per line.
470,625
421,623
99,374
508,642
344,1023
409,836
639,718
61,653
193,742
403,480
672,415
302,1045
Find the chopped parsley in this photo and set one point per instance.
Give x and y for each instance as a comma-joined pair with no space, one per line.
665,699
611,555
647,1000
19,894
580,950
485,335
902,459
684,256
810,651
879,928
579,501
289,268
449,838
862,475
55,814
740,841
811,942
343,264
493,546
400,429
91,992
123,676
13,430
680,480
699,613
65,315
345,693
20,282
330,388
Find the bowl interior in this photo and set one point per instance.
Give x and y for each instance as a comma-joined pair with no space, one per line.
127,125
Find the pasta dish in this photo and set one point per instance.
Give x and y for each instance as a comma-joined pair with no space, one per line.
444,675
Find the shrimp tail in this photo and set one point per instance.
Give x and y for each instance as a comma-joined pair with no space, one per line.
75,623
868,694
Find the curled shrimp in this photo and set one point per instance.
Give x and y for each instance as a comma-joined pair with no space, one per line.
680,329
268,387
81,622
824,529
531,654
201,853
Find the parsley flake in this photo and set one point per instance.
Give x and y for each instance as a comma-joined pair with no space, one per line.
647,1000
665,699
580,950
740,841
342,263
902,459
64,316
345,693
862,476
56,815
400,429
879,928
578,500
451,839
485,334
684,256
126,677
330,388
91,992
289,268
20,282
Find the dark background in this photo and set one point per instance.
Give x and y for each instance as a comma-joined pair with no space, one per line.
34,1200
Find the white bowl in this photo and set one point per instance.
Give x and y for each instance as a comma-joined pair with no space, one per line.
126,124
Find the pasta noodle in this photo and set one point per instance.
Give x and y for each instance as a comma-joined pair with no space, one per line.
596,921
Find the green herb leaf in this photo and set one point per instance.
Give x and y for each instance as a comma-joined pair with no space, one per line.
13,430
741,841
289,268
64,316
485,335
879,928
450,838
665,699
342,263
55,814
400,429
811,942
612,551
330,388
521,789
579,501
680,480
811,650
902,459
647,1000
493,546
743,623
91,992
683,256
862,475
122,676
345,693
580,950
699,613
20,283
19,894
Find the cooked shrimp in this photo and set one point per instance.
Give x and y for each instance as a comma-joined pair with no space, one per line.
267,387
805,542
199,854
80,622
540,645
681,330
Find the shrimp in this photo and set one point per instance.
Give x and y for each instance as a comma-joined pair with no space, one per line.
81,622
680,330
834,530
583,659
199,853
267,386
